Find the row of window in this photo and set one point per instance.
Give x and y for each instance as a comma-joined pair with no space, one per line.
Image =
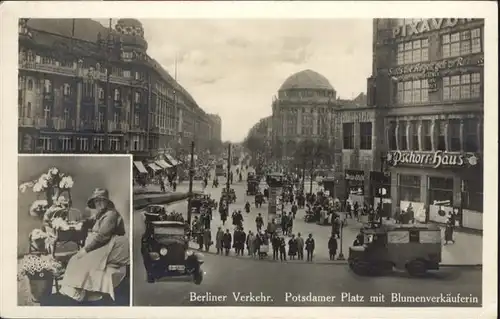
67,143
455,88
88,90
307,93
441,189
365,135
452,45
404,135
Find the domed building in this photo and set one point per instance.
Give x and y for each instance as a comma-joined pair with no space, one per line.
307,108
303,109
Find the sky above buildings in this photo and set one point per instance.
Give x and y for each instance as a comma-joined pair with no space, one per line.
235,67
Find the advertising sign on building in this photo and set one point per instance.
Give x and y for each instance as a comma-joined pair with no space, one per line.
426,25
354,175
432,159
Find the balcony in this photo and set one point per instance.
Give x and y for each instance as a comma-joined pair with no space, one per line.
112,126
60,124
99,126
121,80
41,123
124,126
48,96
136,128
86,126
46,68
26,122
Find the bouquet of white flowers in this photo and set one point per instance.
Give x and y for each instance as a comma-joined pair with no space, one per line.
60,224
39,207
52,179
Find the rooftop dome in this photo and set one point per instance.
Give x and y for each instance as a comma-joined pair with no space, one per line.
130,22
307,79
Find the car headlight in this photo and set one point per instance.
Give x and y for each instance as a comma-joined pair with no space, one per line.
154,256
189,253
163,251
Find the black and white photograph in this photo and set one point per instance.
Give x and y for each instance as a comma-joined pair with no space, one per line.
285,156
73,231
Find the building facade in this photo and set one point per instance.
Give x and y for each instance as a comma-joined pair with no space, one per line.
215,127
307,107
96,90
427,85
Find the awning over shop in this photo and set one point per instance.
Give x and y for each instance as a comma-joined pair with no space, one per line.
154,167
172,160
140,167
163,164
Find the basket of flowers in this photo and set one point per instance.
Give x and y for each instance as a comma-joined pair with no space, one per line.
67,230
40,271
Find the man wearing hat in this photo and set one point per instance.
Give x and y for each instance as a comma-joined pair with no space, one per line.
101,264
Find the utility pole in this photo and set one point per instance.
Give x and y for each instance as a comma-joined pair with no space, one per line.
312,173
191,175
109,50
228,184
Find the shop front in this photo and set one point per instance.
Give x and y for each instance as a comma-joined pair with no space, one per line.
355,186
438,186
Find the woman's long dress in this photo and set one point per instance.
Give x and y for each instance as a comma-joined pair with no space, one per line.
102,268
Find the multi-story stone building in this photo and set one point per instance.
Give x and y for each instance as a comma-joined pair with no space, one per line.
81,84
215,127
307,107
427,85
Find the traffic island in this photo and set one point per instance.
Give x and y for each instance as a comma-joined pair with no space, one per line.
143,200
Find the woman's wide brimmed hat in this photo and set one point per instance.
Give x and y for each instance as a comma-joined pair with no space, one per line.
99,193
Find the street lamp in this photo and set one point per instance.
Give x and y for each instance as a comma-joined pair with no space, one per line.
228,184
383,160
191,176
341,254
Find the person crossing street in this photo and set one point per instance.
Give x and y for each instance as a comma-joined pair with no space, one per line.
310,245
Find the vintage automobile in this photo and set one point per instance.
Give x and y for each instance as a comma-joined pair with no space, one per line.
252,187
231,195
201,199
166,254
155,212
413,248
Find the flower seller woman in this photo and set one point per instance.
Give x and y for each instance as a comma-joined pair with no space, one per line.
100,265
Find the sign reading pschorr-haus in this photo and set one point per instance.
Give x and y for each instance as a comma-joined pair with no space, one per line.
434,159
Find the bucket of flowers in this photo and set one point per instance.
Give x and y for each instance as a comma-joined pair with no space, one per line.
40,271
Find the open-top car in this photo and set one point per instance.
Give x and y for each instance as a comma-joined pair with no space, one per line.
166,254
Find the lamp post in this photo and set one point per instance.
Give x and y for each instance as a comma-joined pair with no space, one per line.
110,47
383,159
341,253
228,184
191,176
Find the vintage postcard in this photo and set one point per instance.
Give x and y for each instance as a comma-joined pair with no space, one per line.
279,159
